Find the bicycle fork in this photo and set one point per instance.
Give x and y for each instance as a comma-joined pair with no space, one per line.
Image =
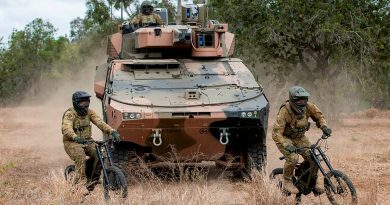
322,157
101,157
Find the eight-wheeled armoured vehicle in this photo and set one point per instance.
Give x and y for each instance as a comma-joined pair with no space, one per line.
175,92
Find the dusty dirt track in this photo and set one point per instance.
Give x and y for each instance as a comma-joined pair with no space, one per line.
32,159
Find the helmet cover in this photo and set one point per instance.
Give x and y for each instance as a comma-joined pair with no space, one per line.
298,98
146,8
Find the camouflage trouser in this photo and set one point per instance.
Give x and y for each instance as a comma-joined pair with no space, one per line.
292,158
78,152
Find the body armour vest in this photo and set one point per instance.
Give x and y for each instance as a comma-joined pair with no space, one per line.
82,126
297,125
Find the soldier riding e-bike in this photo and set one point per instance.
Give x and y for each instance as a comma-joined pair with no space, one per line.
76,130
289,134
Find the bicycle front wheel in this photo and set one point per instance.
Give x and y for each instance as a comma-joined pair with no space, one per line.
340,189
117,184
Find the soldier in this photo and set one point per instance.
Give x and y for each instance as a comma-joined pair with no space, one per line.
289,134
76,130
146,16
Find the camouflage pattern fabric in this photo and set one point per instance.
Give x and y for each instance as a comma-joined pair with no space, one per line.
74,125
289,129
78,152
143,19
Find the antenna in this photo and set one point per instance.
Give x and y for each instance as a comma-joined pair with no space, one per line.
111,29
122,5
178,15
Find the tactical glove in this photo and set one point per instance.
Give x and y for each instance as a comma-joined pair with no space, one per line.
116,136
79,140
326,131
290,148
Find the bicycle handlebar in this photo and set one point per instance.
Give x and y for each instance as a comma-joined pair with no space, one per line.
87,142
323,137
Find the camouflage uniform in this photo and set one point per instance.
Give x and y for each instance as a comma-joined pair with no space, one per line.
74,125
290,128
144,20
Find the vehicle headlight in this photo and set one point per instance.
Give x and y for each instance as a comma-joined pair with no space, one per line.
249,114
131,116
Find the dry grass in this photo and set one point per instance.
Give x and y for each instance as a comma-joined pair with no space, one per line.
371,113
183,186
32,160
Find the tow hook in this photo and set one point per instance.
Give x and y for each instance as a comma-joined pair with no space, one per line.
224,136
156,135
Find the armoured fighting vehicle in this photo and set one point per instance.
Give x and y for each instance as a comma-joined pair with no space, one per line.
174,92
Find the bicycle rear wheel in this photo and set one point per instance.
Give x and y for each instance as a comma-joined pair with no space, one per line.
343,191
277,176
70,174
117,183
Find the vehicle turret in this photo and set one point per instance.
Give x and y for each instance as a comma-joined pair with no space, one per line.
196,37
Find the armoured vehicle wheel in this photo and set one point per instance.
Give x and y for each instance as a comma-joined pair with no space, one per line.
120,157
256,156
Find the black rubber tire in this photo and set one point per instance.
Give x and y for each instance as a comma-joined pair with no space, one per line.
274,174
68,170
255,159
349,185
256,156
117,183
120,157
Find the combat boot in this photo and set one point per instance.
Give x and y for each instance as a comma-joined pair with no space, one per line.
319,187
289,186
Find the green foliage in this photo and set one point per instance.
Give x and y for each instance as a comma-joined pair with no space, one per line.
77,29
29,53
97,18
122,5
320,39
34,53
324,41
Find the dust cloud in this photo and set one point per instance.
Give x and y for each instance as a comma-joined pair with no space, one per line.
35,125
339,95
31,140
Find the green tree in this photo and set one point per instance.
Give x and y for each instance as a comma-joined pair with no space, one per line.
30,53
122,5
77,29
321,39
97,17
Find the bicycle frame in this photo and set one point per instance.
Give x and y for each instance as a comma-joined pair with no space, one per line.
100,148
318,155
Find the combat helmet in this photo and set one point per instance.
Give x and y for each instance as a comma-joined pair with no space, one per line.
147,8
298,98
78,97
